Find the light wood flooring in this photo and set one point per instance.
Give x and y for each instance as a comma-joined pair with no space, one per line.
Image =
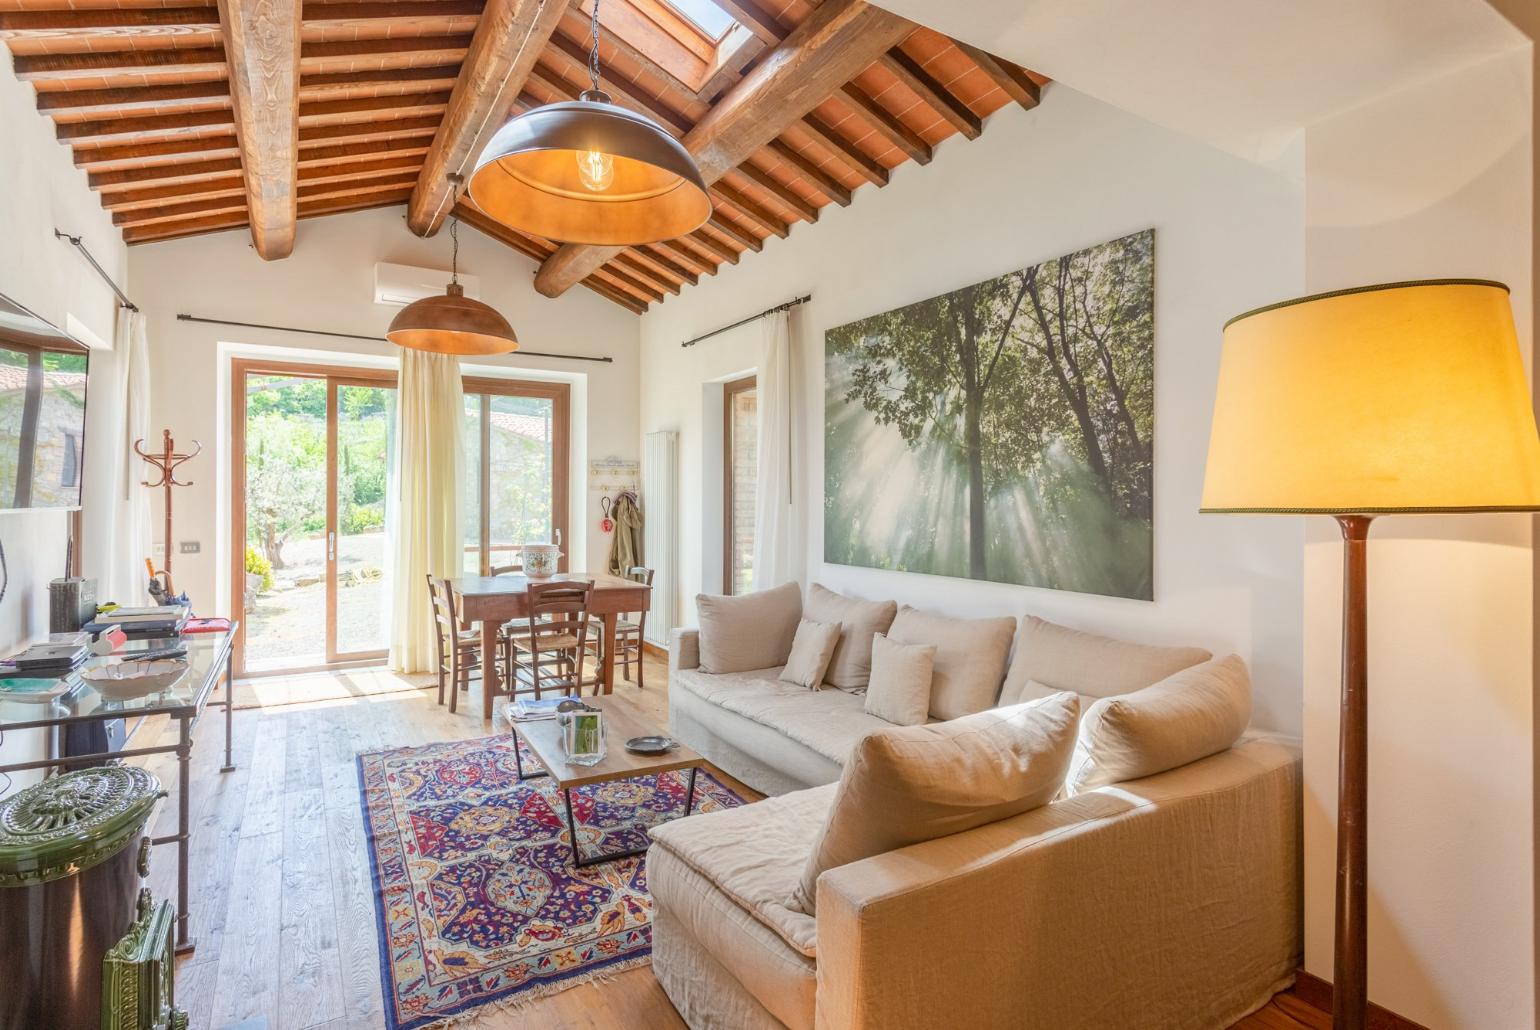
282,909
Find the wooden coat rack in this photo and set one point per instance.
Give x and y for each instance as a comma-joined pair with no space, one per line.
166,463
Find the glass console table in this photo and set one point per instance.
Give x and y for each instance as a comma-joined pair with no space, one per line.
208,662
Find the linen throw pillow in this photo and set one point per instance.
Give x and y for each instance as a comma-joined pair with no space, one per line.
915,783
749,631
811,649
900,688
1190,715
970,658
1060,658
859,620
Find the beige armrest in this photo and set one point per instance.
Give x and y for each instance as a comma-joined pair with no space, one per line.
683,649
1168,901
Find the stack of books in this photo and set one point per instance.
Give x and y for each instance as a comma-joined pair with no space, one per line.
165,620
528,710
51,659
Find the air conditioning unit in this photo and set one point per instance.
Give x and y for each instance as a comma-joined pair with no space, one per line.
400,285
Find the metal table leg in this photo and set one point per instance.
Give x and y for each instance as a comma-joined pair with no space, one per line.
583,863
184,943
229,706
518,766
689,795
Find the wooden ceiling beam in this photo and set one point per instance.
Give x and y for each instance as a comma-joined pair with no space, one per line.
931,93
262,44
132,155
663,259
821,180
887,126
120,22
702,241
189,61
312,191
752,211
503,51
784,195
756,19
844,151
529,246
730,229
149,196
1018,85
436,77
644,273
609,293
148,127
620,280
220,223
837,41
128,100
340,154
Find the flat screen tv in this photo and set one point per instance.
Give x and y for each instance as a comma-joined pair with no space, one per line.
42,412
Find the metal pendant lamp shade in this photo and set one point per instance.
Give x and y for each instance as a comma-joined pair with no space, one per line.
531,176
453,323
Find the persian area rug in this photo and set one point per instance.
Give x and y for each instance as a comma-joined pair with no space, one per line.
477,898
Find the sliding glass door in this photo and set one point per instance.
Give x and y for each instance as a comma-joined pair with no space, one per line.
312,458
312,454
516,470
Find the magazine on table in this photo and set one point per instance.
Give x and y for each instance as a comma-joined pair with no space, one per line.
527,709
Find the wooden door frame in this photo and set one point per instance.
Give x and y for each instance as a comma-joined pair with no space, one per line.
560,395
730,389
333,375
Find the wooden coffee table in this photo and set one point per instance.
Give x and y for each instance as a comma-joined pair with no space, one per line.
620,725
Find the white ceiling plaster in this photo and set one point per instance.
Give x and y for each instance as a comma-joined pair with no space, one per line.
1242,75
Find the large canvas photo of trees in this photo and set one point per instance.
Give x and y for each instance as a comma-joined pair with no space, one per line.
1003,431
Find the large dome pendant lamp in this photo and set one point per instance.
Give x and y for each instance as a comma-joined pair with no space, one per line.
587,171
453,323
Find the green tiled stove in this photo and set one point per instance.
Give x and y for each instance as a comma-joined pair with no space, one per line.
85,943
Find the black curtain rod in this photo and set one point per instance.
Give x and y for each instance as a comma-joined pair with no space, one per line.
75,241
360,336
752,318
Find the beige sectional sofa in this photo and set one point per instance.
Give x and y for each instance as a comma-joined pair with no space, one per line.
1168,901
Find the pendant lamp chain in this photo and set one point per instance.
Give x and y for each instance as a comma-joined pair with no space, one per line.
593,47
454,252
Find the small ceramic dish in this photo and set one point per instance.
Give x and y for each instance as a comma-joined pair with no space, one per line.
651,745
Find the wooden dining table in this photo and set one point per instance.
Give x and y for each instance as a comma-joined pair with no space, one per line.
493,600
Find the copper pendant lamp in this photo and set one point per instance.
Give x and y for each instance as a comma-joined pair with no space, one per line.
453,323
587,171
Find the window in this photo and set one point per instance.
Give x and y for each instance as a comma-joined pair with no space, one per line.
69,470
515,470
704,15
740,449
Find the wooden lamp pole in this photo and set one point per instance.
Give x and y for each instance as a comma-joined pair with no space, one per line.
1350,993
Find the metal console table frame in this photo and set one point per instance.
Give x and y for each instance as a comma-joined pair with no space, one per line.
185,708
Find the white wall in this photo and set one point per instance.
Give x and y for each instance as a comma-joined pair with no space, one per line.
328,284
1072,173
1431,181
42,190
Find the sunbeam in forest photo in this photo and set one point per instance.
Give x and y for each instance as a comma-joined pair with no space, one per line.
1003,431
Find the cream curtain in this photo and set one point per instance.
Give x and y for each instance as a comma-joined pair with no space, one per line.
424,517
776,556
123,575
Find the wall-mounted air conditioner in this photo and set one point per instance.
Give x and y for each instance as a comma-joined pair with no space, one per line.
400,285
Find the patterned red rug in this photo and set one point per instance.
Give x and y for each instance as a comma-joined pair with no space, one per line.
476,894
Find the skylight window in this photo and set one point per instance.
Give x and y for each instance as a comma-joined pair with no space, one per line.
704,15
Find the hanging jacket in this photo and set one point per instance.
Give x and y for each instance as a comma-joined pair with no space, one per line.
626,545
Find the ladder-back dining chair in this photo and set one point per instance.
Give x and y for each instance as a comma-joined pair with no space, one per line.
459,650
548,652
630,630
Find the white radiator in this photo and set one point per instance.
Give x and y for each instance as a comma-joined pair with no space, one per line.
660,506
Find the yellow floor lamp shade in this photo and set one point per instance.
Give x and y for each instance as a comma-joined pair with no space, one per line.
1401,398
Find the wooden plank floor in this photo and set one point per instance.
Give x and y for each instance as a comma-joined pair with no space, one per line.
282,908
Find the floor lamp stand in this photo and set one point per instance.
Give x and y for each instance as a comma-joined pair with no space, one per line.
1350,978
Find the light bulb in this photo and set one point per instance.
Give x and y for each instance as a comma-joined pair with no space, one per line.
596,169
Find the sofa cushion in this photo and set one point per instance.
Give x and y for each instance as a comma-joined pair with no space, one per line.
755,857
901,674
970,658
859,620
1189,715
828,722
748,631
915,783
1061,658
811,649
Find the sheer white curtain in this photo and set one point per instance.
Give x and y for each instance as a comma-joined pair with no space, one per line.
776,557
128,545
424,501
